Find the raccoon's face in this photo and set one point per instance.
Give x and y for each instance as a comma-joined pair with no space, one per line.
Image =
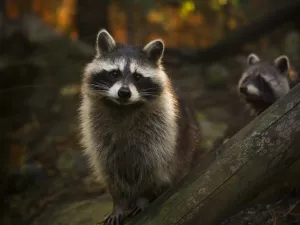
264,82
125,74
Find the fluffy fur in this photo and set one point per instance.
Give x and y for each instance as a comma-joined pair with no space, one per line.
263,82
140,146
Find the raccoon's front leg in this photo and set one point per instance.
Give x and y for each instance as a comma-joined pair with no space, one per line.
144,200
117,216
141,204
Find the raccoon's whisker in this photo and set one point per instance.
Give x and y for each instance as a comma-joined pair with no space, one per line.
100,86
103,82
92,104
148,89
148,94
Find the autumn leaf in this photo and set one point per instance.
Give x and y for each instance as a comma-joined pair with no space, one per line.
222,2
186,8
195,18
232,23
155,16
293,74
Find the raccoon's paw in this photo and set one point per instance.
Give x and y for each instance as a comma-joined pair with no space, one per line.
141,205
115,218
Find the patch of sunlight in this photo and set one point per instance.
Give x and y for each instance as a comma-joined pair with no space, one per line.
186,8
200,116
232,23
155,16
223,2
68,90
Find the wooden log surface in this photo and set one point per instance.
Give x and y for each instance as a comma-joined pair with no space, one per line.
241,169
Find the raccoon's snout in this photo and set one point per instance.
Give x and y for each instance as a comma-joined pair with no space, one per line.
249,90
124,93
243,90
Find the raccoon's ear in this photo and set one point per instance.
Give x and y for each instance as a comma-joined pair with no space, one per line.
155,50
105,43
252,58
282,63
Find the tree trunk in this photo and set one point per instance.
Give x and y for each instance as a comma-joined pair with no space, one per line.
2,18
92,15
244,166
130,22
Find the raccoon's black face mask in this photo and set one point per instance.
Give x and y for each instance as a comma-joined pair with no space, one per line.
126,74
257,89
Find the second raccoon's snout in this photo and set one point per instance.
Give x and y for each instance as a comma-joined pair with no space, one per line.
124,93
244,90
249,90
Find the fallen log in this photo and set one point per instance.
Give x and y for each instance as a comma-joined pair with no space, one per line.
241,169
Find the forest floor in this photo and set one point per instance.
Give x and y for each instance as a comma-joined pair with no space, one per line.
46,177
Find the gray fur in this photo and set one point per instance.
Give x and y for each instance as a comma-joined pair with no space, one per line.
104,43
252,59
273,75
137,150
155,49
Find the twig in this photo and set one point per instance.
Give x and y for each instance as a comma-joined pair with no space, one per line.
291,209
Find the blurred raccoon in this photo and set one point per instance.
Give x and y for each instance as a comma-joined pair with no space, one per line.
263,82
138,133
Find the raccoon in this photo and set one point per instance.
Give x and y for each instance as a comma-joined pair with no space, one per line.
139,135
263,82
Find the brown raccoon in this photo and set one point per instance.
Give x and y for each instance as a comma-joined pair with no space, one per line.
263,82
139,136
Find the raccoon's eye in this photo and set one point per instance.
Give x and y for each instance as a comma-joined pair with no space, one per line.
137,76
115,73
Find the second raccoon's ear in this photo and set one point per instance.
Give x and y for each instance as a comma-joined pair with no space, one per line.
252,58
105,43
155,50
282,63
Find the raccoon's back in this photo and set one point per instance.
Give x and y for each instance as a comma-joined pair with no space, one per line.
189,133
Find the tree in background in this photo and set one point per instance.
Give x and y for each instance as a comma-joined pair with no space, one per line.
2,17
90,17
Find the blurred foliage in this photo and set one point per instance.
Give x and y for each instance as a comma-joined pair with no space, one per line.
186,7
57,13
181,23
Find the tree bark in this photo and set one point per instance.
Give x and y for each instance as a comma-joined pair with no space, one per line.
130,22
2,18
92,15
243,167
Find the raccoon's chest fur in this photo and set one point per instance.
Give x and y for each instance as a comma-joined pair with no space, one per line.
135,147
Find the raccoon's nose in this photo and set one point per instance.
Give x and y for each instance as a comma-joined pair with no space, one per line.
244,90
124,93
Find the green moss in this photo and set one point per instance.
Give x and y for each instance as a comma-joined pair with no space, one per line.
85,212
211,131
